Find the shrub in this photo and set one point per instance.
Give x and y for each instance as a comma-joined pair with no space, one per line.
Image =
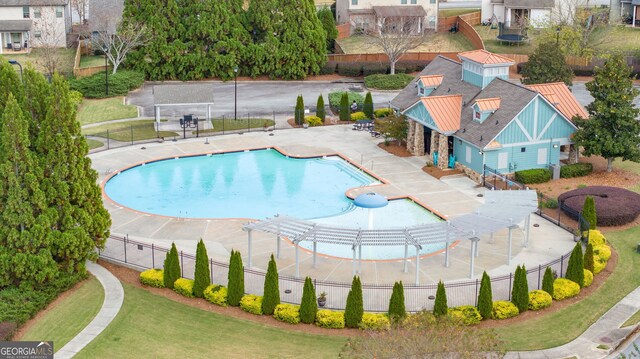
589,212
397,309
596,237
520,291
465,314
547,281
153,278
357,116
336,97
374,321
485,297
171,267
388,82
603,252
202,276
504,310
599,264
539,299
344,113
614,206
320,111
299,115
373,68
313,121
271,289
309,304
575,267
75,97
550,203
564,288
588,258
328,68
287,313
382,112
536,175
355,308
576,170
216,294
330,319
440,305
235,278
349,69
120,84
184,286
367,107
251,303
588,277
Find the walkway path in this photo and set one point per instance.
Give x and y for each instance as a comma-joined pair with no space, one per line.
113,298
605,331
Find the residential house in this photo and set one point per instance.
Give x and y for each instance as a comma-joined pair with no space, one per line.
631,8
468,114
33,23
363,15
536,13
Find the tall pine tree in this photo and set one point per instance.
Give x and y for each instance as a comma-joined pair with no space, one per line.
575,268
329,25
171,267
235,283
355,308
397,309
588,258
520,290
547,281
368,106
589,212
271,292
308,304
202,275
320,111
485,297
440,307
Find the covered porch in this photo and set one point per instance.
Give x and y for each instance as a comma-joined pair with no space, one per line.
15,36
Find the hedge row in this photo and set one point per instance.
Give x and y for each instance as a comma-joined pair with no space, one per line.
576,170
357,69
387,82
120,84
537,175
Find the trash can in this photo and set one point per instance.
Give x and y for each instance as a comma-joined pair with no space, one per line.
555,171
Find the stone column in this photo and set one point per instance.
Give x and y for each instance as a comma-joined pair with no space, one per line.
410,136
573,154
434,144
419,140
443,152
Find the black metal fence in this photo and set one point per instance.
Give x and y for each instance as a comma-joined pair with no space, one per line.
376,296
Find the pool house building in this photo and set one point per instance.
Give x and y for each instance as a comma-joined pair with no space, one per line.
468,115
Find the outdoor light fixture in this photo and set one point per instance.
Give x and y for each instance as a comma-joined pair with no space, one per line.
555,145
480,153
235,93
106,71
14,62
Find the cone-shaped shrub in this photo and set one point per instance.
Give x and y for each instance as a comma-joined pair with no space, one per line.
299,115
547,281
440,307
368,106
575,272
588,258
397,309
485,297
202,276
520,290
589,212
320,112
344,108
308,305
271,289
355,308
171,267
235,287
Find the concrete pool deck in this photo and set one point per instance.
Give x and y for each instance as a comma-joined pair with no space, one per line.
451,196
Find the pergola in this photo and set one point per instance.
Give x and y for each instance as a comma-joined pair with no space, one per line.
502,209
182,95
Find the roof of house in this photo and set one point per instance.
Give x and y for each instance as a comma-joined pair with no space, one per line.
530,4
488,104
183,94
431,80
485,57
445,111
33,2
15,25
400,11
561,97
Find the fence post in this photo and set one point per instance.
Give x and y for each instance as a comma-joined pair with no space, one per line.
153,256
124,242
132,134
561,264
210,269
181,265
539,269
510,277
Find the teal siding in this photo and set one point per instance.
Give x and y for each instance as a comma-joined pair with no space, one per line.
518,160
487,79
460,151
511,134
559,128
427,90
472,78
419,113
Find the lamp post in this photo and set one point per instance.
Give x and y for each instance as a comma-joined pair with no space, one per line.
557,36
106,71
14,62
235,93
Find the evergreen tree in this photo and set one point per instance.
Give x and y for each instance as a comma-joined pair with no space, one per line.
202,275
547,64
612,129
344,111
520,290
368,106
235,289
575,268
299,115
10,83
25,256
547,281
588,258
589,212
397,309
440,307
329,25
171,267
308,305
485,297
271,289
37,99
355,308
320,111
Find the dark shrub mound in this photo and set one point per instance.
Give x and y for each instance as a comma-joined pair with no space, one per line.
614,206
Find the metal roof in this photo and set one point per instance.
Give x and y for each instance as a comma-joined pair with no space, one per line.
445,111
431,80
488,104
485,57
561,97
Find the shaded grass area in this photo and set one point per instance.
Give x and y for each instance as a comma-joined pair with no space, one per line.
438,42
619,38
456,12
70,316
127,131
151,326
66,57
565,325
239,124
635,319
89,61
93,111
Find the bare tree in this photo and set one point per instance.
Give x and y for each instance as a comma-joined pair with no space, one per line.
116,45
397,35
49,37
80,7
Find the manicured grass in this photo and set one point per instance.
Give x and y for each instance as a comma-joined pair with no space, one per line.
239,124
629,166
93,111
89,61
151,326
565,325
93,144
438,42
620,38
635,319
70,316
128,131
456,12
493,45
66,57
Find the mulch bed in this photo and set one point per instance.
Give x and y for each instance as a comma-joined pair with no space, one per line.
438,173
328,121
395,149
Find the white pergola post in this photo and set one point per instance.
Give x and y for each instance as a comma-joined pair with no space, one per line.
527,226
157,108
278,246
353,263
406,257
491,238
509,247
315,251
360,259
249,238
474,248
417,265
208,113
297,261
446,249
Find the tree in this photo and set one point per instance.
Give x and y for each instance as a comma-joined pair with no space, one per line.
118,44
320,111
440,307
397,311
575,268
424,337
202,275
547,281
612,129
393,126
547,64
299,115
368,106
271,289
588,258
520,290
355,308
52,38
485,297
235,279
344,108
329,25
589,212
171,267
396,36
308,305
80,7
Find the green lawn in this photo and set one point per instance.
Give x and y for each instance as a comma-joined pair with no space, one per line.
633,167
635,319
93,111
128,131
151,326
456,12
563,326
489,35
438,42
89,61
70,316
66,58
239,124
93,144
620,38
